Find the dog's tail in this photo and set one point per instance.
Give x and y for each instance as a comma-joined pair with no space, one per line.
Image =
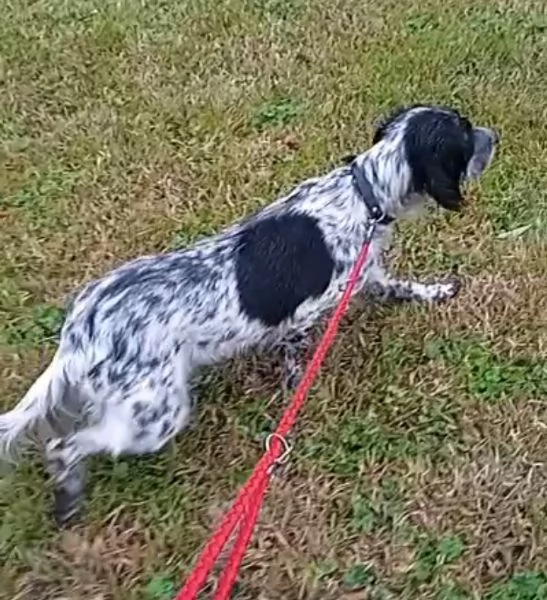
44,396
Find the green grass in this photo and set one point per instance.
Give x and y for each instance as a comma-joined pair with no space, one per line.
523,586
489,375
134,127
42,326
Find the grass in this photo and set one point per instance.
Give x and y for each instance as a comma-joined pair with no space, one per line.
133,127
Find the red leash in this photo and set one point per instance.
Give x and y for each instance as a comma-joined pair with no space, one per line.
246,507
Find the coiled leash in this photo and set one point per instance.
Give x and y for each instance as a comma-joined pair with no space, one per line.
244,511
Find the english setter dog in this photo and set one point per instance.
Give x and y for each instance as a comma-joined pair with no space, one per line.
132,339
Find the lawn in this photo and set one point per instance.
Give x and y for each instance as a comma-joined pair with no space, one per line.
130,127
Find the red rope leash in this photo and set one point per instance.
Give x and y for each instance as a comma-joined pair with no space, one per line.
246,507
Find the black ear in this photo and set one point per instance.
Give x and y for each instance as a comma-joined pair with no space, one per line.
439,145
442,183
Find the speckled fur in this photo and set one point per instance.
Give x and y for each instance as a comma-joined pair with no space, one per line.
132,338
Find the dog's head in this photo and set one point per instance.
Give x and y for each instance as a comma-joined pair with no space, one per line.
441,148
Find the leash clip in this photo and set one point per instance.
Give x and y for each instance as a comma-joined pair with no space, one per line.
372,223
284,456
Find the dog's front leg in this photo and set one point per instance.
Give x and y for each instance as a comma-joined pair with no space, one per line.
382,285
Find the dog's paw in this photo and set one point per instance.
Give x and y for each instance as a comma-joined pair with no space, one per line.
447,290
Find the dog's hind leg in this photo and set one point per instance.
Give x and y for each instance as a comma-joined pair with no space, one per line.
66,466
141,422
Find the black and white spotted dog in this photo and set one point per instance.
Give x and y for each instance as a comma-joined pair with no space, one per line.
131,339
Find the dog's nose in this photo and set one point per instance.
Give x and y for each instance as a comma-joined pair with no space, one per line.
496,136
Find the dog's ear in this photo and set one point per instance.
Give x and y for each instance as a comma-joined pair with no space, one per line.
442,183
438,148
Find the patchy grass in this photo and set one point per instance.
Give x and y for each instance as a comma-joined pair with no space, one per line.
489,375
521,586
276,112
133,127
40,327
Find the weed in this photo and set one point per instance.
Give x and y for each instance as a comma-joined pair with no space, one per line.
160,587
274,113
488,375
381,510
521,586
359,576
37,198
42,326
434,553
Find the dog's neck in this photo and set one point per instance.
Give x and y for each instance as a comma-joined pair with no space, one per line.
388,177
366,193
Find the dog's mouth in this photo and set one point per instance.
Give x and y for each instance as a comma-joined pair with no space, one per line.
484,141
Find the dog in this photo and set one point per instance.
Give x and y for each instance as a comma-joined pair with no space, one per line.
132,339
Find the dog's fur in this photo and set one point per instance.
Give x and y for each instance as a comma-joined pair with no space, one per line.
131,339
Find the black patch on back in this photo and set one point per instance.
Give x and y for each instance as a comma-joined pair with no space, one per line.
281,262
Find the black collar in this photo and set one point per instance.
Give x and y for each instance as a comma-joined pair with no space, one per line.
364,189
